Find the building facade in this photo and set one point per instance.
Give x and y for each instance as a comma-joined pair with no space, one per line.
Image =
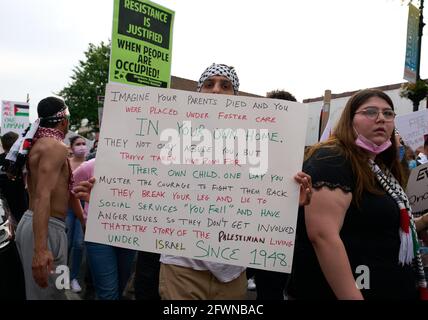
338,102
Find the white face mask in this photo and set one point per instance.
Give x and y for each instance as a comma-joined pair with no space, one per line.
370,146
80,151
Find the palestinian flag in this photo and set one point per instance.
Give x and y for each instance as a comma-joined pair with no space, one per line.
22,110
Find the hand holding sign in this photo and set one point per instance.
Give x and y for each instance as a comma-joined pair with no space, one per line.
204,176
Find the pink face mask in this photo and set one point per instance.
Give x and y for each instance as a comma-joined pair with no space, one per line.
80,151
368,145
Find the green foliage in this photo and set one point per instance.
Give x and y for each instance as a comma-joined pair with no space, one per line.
406,2
89,80
415,92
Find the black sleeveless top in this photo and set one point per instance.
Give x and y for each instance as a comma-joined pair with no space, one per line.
370,234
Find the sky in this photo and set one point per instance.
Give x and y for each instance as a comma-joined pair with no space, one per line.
304,47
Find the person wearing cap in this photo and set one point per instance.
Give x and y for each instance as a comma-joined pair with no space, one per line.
40,235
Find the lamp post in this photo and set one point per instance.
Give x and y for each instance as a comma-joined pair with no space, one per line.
418,99
421,26
416,89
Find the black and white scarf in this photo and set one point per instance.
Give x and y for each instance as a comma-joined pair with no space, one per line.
220,70
409,246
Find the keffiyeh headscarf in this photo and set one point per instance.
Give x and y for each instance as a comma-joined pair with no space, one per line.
220,70
17,156
409,247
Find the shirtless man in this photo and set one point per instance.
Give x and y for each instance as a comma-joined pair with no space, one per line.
40,236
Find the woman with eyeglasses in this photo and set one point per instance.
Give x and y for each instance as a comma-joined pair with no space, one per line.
357,238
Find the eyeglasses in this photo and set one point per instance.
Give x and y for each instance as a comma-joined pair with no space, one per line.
372,113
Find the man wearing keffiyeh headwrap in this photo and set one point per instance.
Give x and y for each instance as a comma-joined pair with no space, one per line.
40,234
184,278
219,74
190,279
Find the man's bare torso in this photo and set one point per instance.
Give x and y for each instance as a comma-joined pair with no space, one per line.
48,174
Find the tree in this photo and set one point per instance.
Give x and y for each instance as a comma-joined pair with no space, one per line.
89,80
415,92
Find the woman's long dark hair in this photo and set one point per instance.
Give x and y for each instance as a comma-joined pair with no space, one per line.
343,139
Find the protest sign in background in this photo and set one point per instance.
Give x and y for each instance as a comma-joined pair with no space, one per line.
141,43
234,204
15,116
417,188
412,127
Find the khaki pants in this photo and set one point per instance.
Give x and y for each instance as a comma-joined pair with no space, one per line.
180,283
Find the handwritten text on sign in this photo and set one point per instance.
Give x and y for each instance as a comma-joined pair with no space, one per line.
14,116
204,176
417,188
412,127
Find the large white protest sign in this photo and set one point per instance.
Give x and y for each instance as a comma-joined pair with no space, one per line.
15,116
412,127
417,188
228,194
